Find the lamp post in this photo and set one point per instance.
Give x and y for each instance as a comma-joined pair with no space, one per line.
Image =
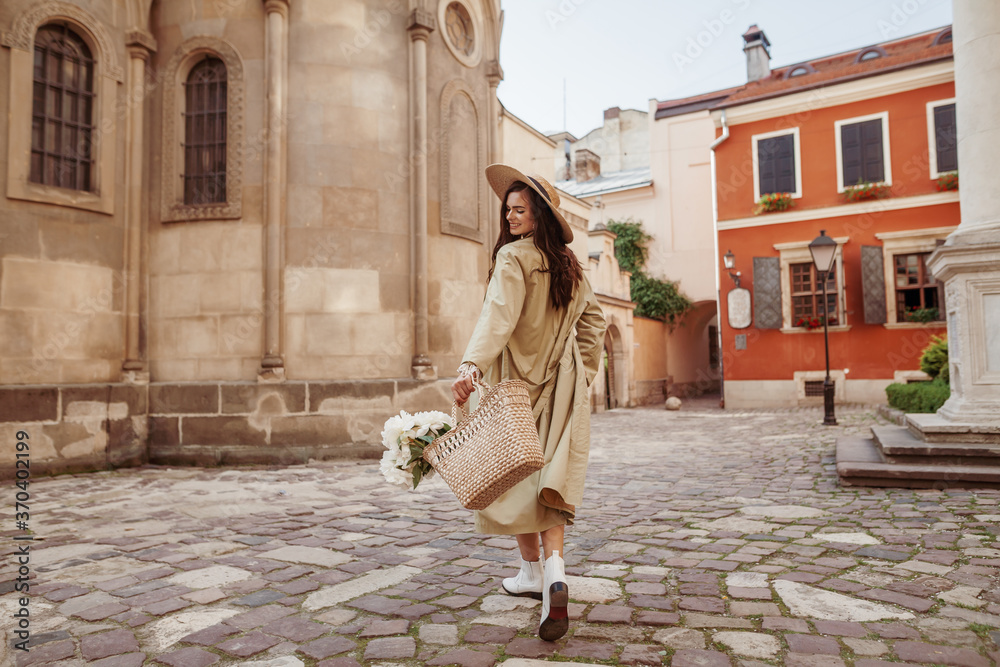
823,250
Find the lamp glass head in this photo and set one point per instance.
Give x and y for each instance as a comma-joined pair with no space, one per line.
823,250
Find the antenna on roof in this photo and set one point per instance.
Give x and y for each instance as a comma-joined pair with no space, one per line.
565,129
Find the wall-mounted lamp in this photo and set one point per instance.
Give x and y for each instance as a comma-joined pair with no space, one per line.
729,260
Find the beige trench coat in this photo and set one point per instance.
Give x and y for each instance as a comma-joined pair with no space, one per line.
520,335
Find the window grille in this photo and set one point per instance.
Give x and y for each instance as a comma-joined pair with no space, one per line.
62,110
815,388
918,294
807,294
205,133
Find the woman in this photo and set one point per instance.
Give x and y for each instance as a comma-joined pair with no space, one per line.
540,323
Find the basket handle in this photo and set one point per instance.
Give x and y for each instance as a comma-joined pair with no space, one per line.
477,383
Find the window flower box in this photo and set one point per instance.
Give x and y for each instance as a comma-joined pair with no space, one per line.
948,181
916,314
775,201
866,191
812,323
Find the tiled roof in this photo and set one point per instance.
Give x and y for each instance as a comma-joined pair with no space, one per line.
899,54
895,55
614,181
684,105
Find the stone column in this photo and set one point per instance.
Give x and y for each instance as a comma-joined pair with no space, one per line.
272,366
140,45
494,75
969,261
421,25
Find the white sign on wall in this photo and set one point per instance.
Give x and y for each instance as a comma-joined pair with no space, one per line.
738,302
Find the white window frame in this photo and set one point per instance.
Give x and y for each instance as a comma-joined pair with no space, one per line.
907,242
932,137
794,131
797,252
886,158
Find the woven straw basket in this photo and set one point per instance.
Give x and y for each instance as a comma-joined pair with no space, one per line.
491,449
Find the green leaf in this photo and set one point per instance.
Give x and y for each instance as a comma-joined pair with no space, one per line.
418,474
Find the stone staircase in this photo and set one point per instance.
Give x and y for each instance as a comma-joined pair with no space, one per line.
927,452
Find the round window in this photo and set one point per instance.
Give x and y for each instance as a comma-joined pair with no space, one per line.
461,30
458,25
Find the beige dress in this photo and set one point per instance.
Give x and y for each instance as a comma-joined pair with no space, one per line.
520,335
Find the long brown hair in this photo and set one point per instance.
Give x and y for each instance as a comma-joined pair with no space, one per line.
560,262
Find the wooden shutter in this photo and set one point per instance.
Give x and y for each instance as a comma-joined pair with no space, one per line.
776,164
861,149
850,148
767,292
873,284
871,147
945,137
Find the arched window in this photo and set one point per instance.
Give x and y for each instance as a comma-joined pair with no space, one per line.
205,133
800,70
871,53
943,37
62,110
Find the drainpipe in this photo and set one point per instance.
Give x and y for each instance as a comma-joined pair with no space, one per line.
715,234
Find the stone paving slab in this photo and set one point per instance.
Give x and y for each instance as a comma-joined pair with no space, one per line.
705,538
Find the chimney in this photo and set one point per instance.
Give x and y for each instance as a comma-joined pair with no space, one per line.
588,165
613,112
757,48
567,172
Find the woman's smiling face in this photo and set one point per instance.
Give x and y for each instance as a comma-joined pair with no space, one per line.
519,215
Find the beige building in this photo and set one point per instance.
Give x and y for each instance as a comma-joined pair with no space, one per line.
239,232
654,167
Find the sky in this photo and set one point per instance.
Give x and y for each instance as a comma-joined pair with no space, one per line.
607,53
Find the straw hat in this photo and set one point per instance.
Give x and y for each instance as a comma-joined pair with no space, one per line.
501,177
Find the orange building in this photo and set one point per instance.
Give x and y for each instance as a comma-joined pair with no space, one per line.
862,146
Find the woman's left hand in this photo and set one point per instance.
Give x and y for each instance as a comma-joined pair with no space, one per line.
462,388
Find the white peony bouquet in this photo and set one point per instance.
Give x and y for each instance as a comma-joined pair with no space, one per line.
405,437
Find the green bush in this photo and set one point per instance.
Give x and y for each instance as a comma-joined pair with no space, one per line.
918,396
658,299
934,360
654,298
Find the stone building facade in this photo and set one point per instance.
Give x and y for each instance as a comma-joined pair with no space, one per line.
238,230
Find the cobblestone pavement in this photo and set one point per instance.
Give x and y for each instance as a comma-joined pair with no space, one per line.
705,538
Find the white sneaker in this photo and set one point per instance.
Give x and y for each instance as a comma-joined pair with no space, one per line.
527,583
555,600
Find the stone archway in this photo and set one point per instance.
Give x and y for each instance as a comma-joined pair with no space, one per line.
690,353
615,369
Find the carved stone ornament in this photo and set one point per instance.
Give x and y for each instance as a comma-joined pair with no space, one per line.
453,221
738,306
22,33
172,206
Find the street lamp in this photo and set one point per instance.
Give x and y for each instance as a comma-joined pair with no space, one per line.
729,261
823,250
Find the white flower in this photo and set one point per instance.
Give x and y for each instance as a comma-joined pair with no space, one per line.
433,419
393,474
403,455
391,431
